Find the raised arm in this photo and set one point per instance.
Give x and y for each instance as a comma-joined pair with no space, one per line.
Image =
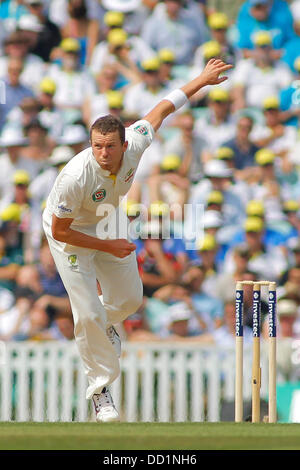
177,98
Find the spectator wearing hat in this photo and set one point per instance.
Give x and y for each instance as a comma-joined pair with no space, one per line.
16,46
191,147
260,76
209,50
276,180
12,249
207,254
289,98
219,46
82,28
170,186
272,236
140,98
50,36
117,49
73,85
12,159
268,262
169,73
178,28
273,133
49,115
110,102
217,177
256,15
219,25
217,125
15,92
74,136
243,148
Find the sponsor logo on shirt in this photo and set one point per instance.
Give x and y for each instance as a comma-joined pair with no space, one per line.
64,209
141,129
99,195
129,175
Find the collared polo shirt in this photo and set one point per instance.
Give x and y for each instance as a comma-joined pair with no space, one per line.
82,186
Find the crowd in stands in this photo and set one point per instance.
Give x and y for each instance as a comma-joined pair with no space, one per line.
234,150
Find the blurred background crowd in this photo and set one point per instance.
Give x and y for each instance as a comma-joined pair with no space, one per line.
234,150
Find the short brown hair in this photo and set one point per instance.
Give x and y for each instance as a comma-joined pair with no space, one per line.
108,124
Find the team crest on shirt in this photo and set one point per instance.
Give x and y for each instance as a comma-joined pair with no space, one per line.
73,261
99,195
141,129
129,175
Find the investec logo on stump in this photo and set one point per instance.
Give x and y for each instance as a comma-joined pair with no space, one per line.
145,225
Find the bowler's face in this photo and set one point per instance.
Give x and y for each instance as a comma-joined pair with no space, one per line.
108,150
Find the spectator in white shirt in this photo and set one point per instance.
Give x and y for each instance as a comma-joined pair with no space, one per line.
259,76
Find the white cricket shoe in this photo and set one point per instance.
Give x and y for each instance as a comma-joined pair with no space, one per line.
115,339
104,407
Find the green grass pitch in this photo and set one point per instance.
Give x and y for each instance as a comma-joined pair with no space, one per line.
149,436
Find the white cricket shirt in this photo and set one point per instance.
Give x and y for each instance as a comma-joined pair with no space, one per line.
82,185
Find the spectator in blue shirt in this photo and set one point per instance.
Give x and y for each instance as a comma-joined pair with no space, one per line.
257,15
243,149
292,47
290,98
14,91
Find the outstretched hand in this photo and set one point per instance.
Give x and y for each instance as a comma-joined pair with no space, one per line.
212,71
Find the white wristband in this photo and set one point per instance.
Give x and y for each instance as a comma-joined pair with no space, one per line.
177,97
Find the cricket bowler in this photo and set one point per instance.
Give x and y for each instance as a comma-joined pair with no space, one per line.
101,174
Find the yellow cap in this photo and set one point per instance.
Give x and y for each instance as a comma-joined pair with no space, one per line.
291,206
114,99
218,94
47,85
264,157
255,208
218,20
132,208
166,55
151,64
215,197
211,49
224,153
207,243
271,102
114,18
254,224
70,45
21,177
117,37
11,213
159,208
263,38
297,64
170,162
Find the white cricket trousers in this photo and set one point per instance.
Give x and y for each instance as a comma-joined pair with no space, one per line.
122,294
